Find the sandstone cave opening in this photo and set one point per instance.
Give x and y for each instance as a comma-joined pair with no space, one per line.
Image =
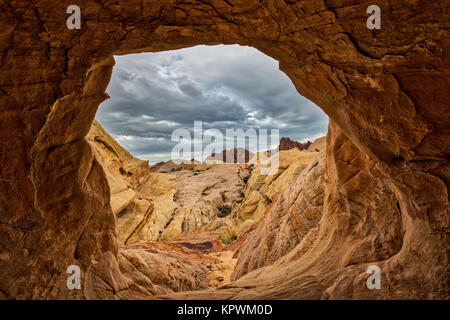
203,206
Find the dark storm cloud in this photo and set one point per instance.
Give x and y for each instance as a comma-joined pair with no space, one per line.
224,86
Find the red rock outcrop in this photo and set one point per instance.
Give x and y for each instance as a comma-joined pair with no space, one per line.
387,170
288,144
286,222
232,156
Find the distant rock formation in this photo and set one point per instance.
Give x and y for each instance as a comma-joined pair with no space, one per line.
288,144
157,166
132,203
238,155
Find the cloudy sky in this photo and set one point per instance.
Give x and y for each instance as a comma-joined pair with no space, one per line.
153,94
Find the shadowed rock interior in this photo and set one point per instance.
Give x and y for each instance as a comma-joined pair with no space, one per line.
385,170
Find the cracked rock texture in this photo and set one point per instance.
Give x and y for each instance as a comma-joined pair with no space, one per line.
386,165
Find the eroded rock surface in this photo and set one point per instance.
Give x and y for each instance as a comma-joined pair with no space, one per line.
126,175
261,187
232,156
163,204
288,144
289,218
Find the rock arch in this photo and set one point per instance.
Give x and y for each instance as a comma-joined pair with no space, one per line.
385,91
